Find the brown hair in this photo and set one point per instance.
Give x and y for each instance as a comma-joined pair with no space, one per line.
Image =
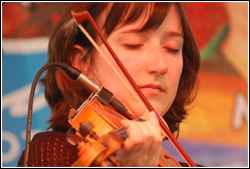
62,93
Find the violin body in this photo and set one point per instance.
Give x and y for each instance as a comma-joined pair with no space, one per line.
100,143
105,119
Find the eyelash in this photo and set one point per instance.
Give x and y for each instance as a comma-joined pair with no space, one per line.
137,46
172,50
132,46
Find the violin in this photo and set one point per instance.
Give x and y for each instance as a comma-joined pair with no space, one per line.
98,134
96,127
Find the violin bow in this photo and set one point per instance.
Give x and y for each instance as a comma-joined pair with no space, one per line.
84,15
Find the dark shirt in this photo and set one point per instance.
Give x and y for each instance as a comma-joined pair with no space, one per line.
50,149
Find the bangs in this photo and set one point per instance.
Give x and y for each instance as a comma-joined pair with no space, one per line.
126,13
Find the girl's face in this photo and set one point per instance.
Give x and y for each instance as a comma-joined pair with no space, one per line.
153,58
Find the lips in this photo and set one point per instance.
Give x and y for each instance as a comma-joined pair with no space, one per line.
152,89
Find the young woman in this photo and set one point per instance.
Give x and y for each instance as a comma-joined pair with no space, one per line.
156,46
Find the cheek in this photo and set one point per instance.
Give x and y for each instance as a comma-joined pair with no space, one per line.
104,73
98,73
132,65
175,75
130,61
176,68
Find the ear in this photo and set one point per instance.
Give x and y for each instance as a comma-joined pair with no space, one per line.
77,53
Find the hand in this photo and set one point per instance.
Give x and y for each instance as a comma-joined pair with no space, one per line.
143,145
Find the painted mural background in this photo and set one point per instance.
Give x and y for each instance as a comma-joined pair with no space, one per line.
216,131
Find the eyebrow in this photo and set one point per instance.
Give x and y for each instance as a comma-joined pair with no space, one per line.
132,31
168,33
174,34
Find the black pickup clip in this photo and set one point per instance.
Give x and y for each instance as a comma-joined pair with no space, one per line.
106,98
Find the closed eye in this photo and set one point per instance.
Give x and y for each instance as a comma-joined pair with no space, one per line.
172,50
133,46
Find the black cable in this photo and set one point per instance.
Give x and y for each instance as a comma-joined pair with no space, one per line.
30,105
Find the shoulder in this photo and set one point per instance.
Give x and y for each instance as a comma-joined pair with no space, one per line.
51,149
49,137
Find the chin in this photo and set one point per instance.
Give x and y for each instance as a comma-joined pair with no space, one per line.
159,108
163,111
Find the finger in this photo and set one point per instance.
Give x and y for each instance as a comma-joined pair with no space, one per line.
140,143
142,135
135,139
153,135
125,123
154,128
150,149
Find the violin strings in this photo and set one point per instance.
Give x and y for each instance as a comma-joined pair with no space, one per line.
120,132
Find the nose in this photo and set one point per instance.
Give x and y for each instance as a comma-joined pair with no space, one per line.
157,62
